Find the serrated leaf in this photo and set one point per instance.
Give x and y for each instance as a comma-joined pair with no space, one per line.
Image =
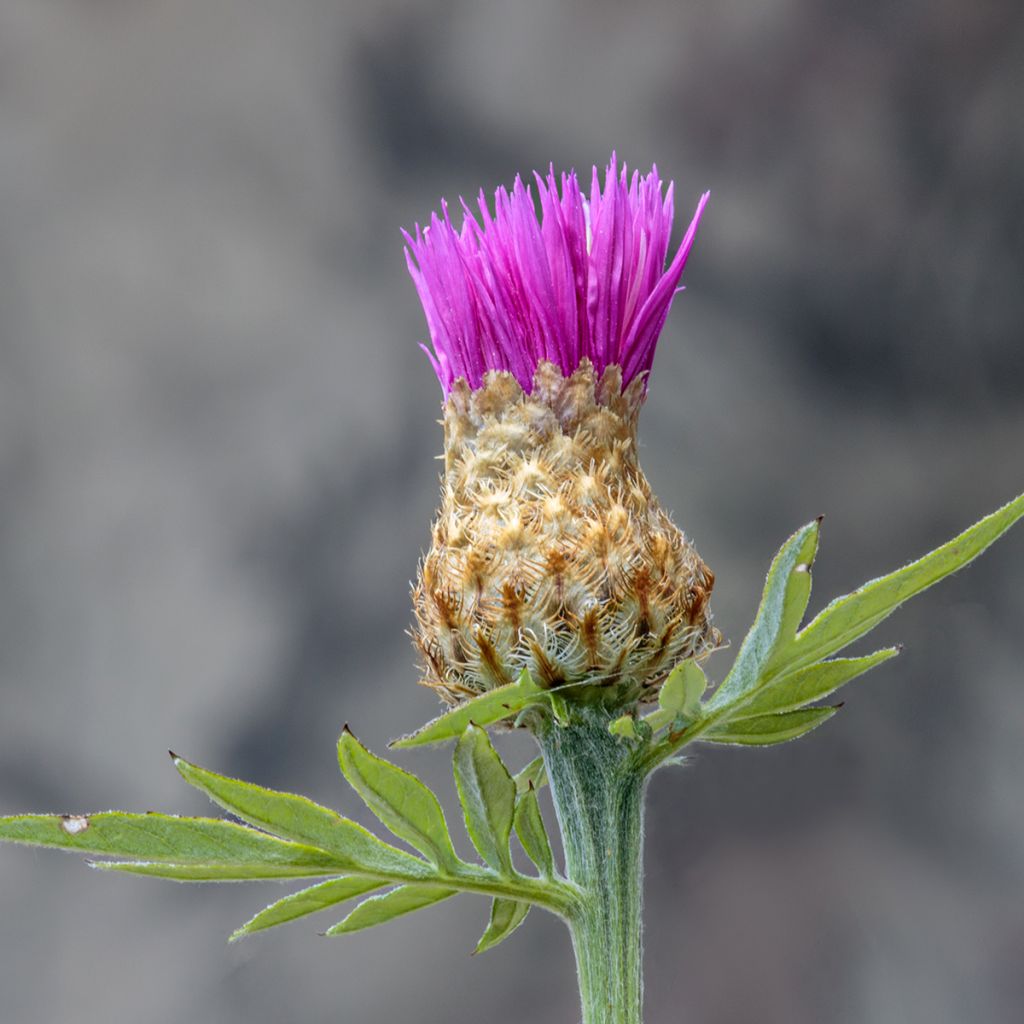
493,706
506,917
785,693
298,818
535,772
529,825
679,697
377,909
786,592
306,902
224,849
488,796
401,801
850,617
766,730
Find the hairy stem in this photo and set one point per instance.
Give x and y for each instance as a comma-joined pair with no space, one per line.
598,790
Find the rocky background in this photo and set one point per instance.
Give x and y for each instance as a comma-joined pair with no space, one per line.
216,474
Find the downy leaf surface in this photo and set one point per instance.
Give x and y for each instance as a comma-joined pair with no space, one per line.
488,796
401,801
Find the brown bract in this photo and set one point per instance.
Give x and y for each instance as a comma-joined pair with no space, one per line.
549,550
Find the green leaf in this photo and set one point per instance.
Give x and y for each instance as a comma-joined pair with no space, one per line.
206,847
765,730
396,903
506,917
784,693
488,708
305,902
683,690
679,697
226,872
532,834
850,617
559,707
296,817
399,799
534,773
786,592
624,726
488,796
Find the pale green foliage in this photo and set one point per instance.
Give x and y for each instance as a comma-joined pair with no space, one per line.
531,832
766,698
389,905
488,797
186,848
625,727
300,819
506,917
679,699
795,689
307,901
493,706
399,799
296,838
763,730
781,669
534,774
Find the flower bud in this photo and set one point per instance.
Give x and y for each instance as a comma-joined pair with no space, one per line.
549,551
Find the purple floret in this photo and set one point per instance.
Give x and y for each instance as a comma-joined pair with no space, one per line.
586,280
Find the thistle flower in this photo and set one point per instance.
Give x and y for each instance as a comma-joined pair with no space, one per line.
549,551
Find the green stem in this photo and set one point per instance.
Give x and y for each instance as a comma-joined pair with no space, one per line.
598,791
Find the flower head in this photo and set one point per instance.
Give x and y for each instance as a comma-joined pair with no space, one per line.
549,551
585,281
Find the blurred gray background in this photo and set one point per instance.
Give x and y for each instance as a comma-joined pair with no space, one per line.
216,474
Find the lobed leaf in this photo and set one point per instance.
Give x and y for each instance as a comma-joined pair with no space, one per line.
377,909
506,917
298,818
493,706
785,693
679,697
850,617
401,801
488,797
533,836
766,730
305,902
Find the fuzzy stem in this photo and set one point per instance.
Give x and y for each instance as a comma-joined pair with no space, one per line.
598,791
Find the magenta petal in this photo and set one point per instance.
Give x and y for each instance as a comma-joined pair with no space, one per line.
584,280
